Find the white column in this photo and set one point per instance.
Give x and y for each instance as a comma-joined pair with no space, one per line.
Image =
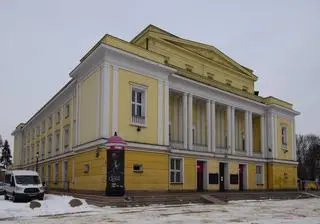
294,147
250,135
229,128
160,110
262,135
275,136
175,119
190,121
198,126
270,135
115,100
208,105
213,126
203,126
219,131
166,113
233,132
246,141
180,121
185,121
98,108
105,98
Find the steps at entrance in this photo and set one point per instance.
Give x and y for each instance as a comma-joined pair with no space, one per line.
166,198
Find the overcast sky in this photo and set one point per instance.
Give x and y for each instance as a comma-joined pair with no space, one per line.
41,42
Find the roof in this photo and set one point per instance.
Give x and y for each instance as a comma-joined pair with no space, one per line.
23,172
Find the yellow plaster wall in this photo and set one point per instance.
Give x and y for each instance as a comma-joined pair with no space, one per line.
282,154
233,167
155,171
180,57
88,107
95,179
252,184
282,176
213,167
148,134
190,176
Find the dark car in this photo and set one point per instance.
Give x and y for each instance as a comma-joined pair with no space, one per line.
1,187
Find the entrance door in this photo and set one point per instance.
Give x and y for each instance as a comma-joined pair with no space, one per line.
65,176
241,177
200,171
221,175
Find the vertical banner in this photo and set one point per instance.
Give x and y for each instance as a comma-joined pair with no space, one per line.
115,172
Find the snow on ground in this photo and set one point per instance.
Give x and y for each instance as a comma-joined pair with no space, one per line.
56,210
51,205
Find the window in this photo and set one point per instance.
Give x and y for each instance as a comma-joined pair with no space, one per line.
42,148
58,117
43,127
228,82
49,144
176,171
50,122
210,75
284,137
66,137
38,130
67,110
138,106
259,174
137,168
189,68
57,141
56,173
170,132
245,88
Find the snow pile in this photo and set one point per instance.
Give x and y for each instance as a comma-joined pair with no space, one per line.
51,205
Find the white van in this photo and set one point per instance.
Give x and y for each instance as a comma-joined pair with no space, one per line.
22,185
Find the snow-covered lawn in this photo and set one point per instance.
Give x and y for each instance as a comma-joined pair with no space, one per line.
55,209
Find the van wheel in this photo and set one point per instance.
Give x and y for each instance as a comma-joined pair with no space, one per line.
6,196
14,198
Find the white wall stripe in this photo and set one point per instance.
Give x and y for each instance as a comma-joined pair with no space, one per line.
160,114
115,99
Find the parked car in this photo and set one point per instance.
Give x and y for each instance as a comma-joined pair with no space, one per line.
23,185
1,187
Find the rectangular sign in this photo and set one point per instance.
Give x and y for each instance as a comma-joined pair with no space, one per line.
115,172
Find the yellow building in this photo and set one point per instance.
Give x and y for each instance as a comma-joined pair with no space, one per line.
189,114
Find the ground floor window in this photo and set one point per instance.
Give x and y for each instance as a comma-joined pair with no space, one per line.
176,170
259,174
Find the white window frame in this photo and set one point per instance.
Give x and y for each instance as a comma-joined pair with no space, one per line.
175,170
284,135
49,144
262,175
66,139
50,122
58,117
143,90
67,110
57,143
56,173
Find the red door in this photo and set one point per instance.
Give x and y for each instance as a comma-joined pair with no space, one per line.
200,169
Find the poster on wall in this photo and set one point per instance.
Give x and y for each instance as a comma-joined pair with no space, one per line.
115,172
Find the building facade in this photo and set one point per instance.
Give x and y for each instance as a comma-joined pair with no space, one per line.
189,114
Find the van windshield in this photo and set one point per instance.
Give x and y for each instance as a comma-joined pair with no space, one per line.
24,180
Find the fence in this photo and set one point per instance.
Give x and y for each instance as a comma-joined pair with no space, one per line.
309,185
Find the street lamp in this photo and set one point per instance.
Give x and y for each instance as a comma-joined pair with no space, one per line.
37,157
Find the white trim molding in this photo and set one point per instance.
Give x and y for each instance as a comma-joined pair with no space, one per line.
166,112
105,108
160,110
115,93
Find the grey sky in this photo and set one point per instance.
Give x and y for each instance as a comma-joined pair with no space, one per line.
41,42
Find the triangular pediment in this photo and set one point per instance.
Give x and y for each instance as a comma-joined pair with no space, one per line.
203,50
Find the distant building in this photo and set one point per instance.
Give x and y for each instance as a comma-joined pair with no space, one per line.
189,113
